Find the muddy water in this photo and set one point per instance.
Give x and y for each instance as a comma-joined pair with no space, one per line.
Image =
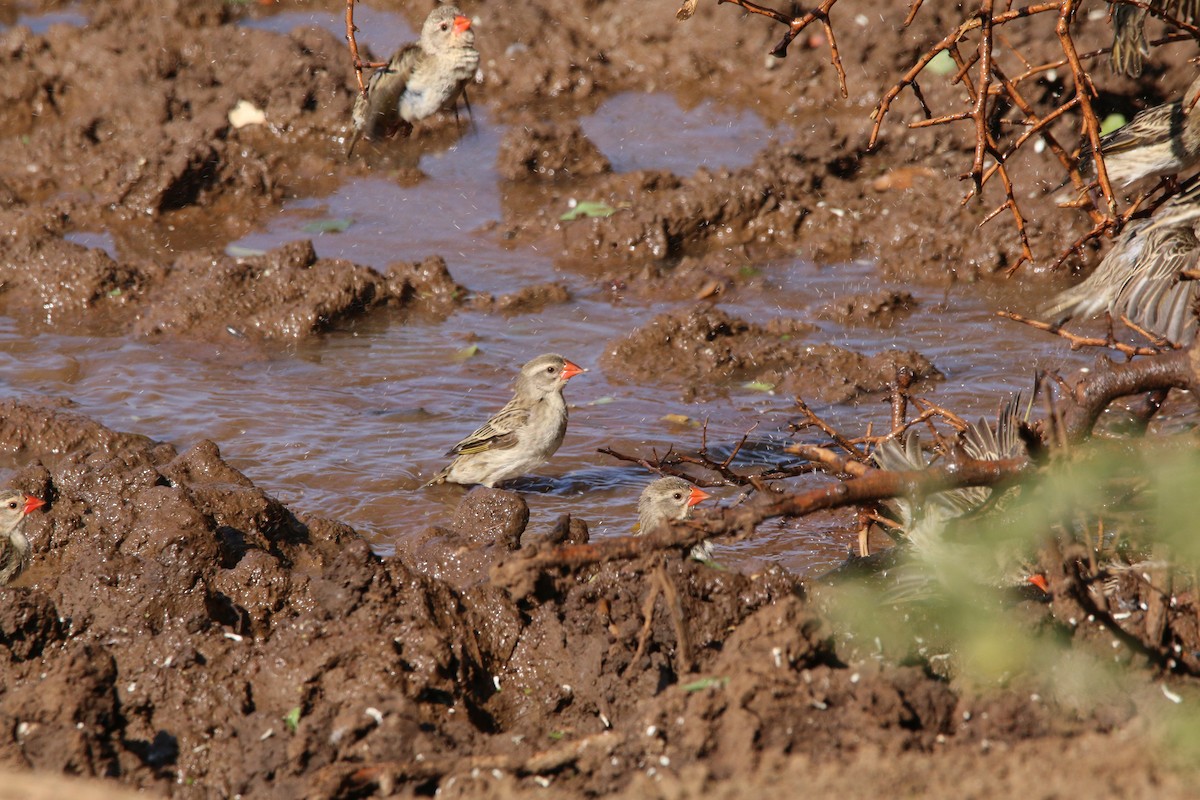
351,425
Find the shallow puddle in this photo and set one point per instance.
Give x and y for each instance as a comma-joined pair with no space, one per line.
351,425
654,131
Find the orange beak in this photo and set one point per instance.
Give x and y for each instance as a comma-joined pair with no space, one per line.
570,370
697,496
31,503
1040,582
461,23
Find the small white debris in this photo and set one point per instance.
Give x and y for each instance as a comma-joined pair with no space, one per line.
497,774
1115,644
566,687
651,731
1035,698
496,682
604,719
267,734
131,688
542,781
855,678
778,653
375,714
246,113
966,716
23,729
861,20
1123,615
1167,693
234,637
664,761
1039,146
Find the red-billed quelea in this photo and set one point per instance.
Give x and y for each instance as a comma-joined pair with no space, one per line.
523,434
1141,277
671,499
420,78
14,547
1159,141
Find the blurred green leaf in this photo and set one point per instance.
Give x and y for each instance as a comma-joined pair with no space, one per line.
328,226
292,719
588,208
468,352
759,386
942,64
705,683
1111,123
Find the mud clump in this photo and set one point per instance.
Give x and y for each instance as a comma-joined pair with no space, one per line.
286,293
704,348
543,150
882,308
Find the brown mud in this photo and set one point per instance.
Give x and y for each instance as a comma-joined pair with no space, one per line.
183,632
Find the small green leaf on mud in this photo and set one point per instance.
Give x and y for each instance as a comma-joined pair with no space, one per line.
328,226
556,735
292,719
588,208
705,683
468,352
942,64
748,272
114,292
677,419
759,386
237,251
1111,123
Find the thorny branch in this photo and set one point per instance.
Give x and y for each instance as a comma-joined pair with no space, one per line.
1072,412
795,25
356,60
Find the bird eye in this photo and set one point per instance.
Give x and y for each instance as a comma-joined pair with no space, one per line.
12,504
552,369
678,496
445,26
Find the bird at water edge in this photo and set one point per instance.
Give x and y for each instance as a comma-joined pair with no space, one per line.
420,78
14,547
523,434
671,499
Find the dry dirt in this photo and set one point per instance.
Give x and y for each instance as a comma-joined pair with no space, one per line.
183,633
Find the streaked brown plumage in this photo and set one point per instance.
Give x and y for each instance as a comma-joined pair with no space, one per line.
14,547
419,79
523,434
1129,48
1163,140
1139,278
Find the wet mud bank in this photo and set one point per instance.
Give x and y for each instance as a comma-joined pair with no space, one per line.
184,632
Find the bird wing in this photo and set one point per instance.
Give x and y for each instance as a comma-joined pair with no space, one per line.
498,433
1154,296
377,113
1149,127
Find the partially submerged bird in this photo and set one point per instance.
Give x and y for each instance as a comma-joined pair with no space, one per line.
14,547
420,78
523,434
1159,141
671,499
924,521
1140,278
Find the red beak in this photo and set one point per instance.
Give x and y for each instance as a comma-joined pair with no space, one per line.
1040,582
697,496
31,503
570,370
461,23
